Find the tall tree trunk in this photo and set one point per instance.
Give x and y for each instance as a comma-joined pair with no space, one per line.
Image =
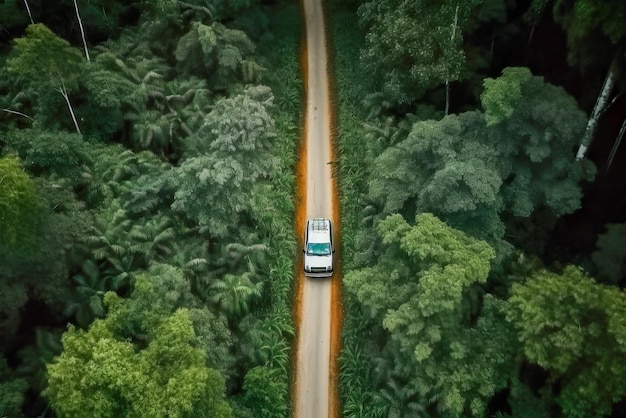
66,96
601,103
618,141
29,13
82,31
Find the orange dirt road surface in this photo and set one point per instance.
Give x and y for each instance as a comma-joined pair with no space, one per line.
318,313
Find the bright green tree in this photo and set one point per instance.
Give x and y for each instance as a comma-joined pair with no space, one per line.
265,392
45,61
20,209
101,373
575,329
424,291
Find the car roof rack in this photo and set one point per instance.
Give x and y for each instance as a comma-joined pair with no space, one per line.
319,224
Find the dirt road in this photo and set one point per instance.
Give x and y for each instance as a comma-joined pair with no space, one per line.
313,396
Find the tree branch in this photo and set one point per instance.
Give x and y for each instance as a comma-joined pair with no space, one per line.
15,112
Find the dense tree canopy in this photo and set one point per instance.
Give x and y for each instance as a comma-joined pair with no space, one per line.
517,157
233,149
87,207
143,356
412,47
424,292
146,198
502,169
574,328
100,374
47,62
19,209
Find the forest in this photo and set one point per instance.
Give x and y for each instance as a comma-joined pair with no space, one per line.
483,247
147,270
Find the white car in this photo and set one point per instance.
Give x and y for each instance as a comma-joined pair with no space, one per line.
318,248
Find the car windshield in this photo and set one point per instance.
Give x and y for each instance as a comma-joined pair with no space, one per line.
318,249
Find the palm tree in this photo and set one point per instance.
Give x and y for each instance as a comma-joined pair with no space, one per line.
234,294
123,247
86,305
153,239
401,399
272,339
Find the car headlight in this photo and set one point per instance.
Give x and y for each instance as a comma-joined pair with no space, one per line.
329,268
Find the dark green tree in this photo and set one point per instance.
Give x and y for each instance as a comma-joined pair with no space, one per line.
456,178
45,61
609,258
12,391
217,53
56,154
596,40
535,127
412,47
232,152
516,158
573,328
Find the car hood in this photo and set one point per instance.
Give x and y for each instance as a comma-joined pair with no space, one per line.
317,260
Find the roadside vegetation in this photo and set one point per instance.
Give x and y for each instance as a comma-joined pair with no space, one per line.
458,161
146,207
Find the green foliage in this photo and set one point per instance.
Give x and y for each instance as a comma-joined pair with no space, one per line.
87,303
457,179
59,154
40,272
233,294
535,143
110,219
107,93
609,258
413,46
101,374
525,403
46,62
139,183
516,158
581,17
266,391
43,57
503,94
574,328
122,247
20,210
217,53
11,391
234,149
423,291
